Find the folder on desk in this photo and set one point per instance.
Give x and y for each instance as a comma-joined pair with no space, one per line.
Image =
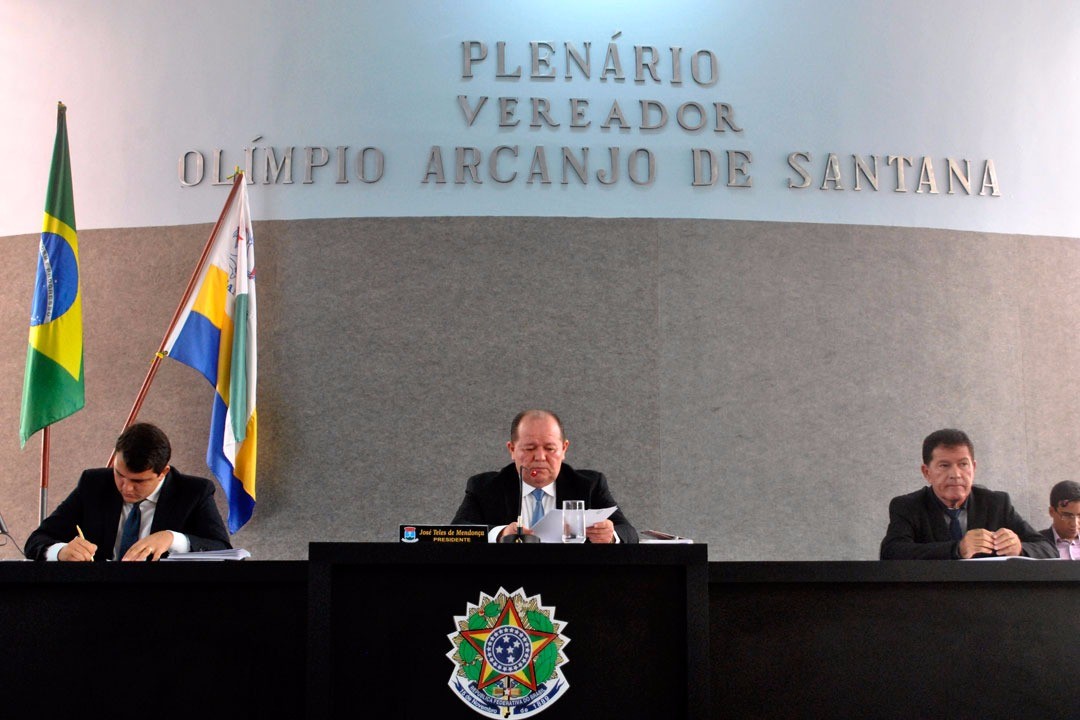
656,536
209,555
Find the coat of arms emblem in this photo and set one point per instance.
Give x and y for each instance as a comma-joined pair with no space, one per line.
508,655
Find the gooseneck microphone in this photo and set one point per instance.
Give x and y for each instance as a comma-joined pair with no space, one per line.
519,536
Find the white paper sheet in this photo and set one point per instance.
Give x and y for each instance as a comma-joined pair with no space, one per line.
550,526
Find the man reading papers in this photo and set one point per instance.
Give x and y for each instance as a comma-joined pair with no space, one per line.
537,447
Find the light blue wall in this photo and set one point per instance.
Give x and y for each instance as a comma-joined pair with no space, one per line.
147,82
752,367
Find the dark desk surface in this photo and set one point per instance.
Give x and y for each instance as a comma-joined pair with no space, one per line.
248,571
895,639
895,571
636,617
182,638
904,639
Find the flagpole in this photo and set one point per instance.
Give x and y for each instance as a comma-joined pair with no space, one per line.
237,181
43,501
60,397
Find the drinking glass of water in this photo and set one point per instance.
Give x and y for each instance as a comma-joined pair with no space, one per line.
573,521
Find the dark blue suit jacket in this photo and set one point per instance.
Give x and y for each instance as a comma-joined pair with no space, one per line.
918,531
185,504
493,498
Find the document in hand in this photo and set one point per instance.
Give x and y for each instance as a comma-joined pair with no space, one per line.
550,526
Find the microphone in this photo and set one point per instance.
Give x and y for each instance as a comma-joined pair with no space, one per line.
4,531
521,498
519,536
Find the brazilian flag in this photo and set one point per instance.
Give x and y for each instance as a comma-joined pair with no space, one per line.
53,385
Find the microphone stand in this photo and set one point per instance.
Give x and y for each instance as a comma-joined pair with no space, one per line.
4,531
519,536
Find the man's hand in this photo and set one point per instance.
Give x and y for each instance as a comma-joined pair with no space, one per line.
976,541
512,528
78,550
1006,542
151,547
602,532
1002,542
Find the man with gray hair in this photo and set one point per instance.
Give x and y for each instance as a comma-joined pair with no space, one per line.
1065,519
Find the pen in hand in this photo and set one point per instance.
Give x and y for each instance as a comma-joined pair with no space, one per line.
79,549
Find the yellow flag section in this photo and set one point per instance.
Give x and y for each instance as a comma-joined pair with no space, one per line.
215,334
53,386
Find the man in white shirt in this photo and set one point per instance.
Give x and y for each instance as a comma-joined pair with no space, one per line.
537,448
139,509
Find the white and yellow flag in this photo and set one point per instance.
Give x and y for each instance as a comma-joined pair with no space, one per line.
215,334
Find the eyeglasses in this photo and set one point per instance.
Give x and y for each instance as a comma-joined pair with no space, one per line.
1067,516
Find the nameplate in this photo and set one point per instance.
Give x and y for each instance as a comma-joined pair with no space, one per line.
443,533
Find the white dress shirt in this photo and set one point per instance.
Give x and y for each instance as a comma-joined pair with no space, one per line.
180,541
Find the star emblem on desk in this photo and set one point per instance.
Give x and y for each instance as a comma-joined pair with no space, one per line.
507,651
508,648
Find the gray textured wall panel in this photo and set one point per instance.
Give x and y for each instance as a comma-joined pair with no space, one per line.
763,387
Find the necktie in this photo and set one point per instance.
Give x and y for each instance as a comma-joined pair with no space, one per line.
538,507
954,524
131,530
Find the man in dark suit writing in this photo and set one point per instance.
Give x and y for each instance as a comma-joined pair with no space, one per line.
537,447
139,509
952,518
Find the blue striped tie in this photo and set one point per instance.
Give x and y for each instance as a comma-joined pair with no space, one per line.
538,507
